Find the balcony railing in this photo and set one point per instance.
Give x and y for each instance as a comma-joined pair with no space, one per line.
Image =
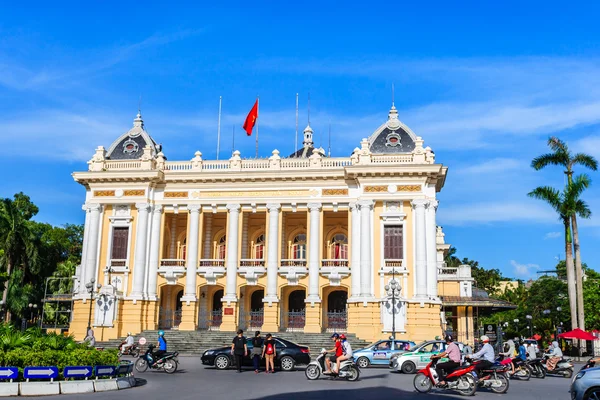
172,262
252,262
335,263
115,262
290,262
393,263
211,262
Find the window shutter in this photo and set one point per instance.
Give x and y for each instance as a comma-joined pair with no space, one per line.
393,242
119,243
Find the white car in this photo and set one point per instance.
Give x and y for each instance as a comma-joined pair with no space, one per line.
419,356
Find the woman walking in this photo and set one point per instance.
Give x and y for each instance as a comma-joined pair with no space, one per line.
269,351
257,350
239,349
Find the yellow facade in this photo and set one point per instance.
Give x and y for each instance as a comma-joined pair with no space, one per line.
305,244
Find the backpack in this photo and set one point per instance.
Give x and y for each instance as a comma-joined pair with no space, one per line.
347,348
269,348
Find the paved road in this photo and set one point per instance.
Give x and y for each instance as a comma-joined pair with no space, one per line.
195,381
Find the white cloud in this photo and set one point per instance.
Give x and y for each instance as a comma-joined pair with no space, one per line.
589,144
493,212
552,235
495,165
524,270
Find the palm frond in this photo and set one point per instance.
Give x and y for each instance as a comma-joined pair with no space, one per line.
549,195
585,160
582,209
549,159
557,145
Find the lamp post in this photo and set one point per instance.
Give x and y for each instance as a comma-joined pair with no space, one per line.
529,318
90,286
393,291
516,321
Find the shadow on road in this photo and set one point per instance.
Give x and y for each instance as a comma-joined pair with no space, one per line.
140,382
382,393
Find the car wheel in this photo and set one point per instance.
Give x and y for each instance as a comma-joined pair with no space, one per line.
408,367
363,362
287,363
592,394
222,362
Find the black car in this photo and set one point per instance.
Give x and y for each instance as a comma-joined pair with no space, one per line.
287,356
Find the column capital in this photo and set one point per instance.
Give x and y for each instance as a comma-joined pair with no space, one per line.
157,209
365,204
194,208
93,207
273,207
419,203
433,204
314,206
353,206
233,207
142,206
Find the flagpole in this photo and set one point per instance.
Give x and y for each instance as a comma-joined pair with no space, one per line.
219,127
329,144
232,140
296,141
257,112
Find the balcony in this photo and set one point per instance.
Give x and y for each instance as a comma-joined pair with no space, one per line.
211,269
171,269
172,262
252,262
293,270
335,263
114,262
290,262
462,273
335,270
252,269
393,263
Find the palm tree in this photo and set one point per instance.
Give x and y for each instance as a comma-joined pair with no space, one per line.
563,157
567,203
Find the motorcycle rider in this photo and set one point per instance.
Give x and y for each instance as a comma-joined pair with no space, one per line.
485,354
453,353
531,354
337,352
521,355
162,347
508,355
555,356
346,352
127,343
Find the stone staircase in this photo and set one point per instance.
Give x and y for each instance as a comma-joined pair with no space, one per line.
196,342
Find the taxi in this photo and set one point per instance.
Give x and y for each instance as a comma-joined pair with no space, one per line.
380,353
419,356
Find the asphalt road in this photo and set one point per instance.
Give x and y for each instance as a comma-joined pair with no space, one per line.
194,381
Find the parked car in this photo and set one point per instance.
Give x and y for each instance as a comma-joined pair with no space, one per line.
419,356
287,356
380,353
586,384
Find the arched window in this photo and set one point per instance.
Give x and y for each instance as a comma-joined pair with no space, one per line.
182,249
338,247
258,247
222,248
299,247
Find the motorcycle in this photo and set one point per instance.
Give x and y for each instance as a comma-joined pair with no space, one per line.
522,371
460,380
494,377
133,350
536,368
348,369
167,362
563,368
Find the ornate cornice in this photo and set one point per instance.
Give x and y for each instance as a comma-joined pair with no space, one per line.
134,192
104,193
335,192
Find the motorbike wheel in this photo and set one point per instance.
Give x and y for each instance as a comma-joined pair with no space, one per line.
353,374
141,365
472,385
505,383
312,372
541,372
422,383
119,354
170,366
135,353
568,373
523,374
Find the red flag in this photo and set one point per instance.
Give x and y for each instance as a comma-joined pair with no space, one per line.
251,119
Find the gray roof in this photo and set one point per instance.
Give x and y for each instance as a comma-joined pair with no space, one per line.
130,145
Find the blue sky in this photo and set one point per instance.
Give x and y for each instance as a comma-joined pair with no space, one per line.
483,84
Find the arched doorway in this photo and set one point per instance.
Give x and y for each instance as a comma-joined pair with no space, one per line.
169,315
295,318
256,316
337,315
217,310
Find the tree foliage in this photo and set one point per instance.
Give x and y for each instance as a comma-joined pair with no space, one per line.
486,279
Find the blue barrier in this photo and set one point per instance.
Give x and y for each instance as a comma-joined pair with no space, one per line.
9,373
40,373
105,370
77,372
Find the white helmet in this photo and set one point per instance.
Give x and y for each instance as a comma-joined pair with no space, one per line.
484,339
128,333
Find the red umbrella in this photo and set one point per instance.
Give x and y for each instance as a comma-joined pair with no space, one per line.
577,334
537,337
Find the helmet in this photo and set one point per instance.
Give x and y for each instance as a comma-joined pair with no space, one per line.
128,333
448,338
335,335
343,337
484,339
161,333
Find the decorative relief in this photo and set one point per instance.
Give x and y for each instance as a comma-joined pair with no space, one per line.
175,194
134,192
104,193
264,193
409,188
376,189
335,192
392,188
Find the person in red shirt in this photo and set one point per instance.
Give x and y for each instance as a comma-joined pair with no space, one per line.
337,352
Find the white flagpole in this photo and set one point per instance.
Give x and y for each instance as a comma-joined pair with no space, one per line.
257,118
232,139
219,127
296,142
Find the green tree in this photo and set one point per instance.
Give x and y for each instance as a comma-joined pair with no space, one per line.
486,279
562,156
566,204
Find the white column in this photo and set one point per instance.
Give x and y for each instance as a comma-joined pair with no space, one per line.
192,254
86,239
420,247
272,253
139,261
314,240
207,234
431,248
173,244
154,251
355,251
365,248
232,253
91,255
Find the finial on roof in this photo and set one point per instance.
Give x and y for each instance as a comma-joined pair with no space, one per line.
138,121
392,95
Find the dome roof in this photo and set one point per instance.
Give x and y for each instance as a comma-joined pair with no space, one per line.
393,136
130,145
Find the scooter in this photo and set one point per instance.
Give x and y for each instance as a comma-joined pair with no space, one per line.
563,368
133,350
460,380
536,368
494,377
348,369
167,362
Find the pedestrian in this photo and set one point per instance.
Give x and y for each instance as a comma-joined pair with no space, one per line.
89,338
257,350
239,349
269,351
467,349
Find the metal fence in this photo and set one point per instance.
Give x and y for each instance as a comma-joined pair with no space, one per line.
252,320
210,320
169,319
295,320
337,321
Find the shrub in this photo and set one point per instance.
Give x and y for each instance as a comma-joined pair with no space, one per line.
61,358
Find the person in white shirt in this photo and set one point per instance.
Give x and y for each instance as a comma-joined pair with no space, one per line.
555,356
127,343
531,354
486,354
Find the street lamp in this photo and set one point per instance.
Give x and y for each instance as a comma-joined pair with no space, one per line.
516,321
90,286
529,318
393,291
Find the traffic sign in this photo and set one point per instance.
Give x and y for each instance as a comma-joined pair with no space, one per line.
105,370
40,373
77,372
142,341
9,372
490,327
